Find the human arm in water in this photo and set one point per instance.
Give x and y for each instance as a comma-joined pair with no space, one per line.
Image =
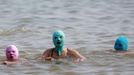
10,62
74,53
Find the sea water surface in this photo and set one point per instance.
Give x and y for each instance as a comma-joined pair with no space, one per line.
91,27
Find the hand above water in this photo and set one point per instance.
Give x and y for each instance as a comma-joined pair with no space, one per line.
80,59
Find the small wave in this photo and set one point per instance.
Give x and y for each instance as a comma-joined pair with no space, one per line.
13,31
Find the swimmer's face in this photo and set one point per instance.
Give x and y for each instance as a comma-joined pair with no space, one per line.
58,38
12,53
121,44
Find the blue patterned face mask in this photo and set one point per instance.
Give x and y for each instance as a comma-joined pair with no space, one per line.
58,40
121,44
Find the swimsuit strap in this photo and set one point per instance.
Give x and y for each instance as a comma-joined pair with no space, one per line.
67,49
52,52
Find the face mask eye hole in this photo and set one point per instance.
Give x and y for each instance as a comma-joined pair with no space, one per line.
61,37
55,37
120,45
8,51
13,51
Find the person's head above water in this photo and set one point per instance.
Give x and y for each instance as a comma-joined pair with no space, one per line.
12,53
58,40
121,44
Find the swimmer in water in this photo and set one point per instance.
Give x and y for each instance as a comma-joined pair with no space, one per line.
121,46
59,52
12,55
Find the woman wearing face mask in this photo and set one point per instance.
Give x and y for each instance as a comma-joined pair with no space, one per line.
121,46
12,55
59,52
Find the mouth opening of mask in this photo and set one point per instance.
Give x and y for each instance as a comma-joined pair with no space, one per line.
58,42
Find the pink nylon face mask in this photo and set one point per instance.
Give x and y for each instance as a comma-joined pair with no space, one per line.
12,53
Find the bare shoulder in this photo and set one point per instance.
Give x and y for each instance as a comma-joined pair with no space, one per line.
128,53
47,51
71,50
